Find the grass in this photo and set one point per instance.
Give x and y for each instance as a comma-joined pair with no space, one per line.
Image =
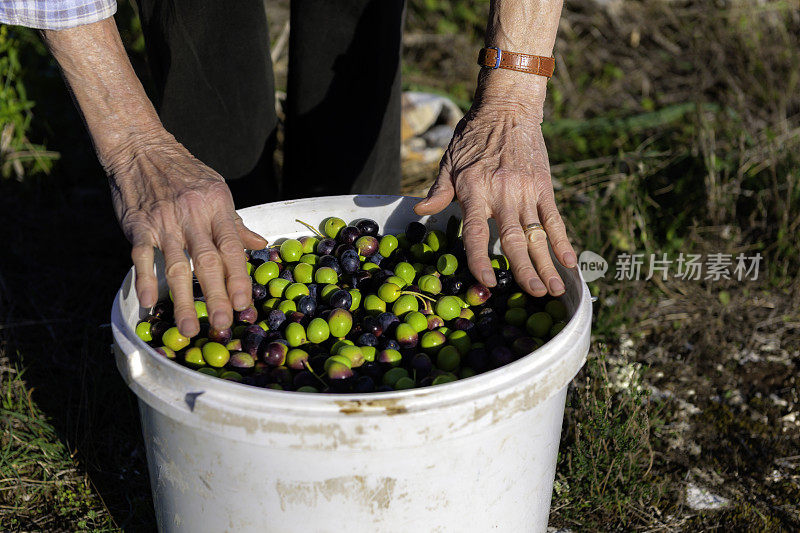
42,490
671,127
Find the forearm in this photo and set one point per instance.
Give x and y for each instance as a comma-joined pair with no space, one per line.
116,109
528,27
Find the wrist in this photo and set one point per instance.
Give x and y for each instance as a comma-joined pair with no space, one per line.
507,89
119,145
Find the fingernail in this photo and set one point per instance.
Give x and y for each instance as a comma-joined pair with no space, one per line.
219,318
186,327
536,286
240,302
556,287
570,260
147,299
487,276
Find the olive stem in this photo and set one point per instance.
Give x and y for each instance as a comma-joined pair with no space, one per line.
309,226
308,367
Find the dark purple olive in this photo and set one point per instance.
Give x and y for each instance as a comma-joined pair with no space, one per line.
510,333
260,255
330,262
307,305
313,290
304,378
162,310
452,286
222,336
360,279
421,364
367,227
427,381
297,317
326,246
275,319
349,261
251,340
415,232
259,292
273,353
386,343
364,384
505,281
371,369
501,355
248,315
275,254
372,325
524,346
157,330
341,299
348,235
286,274
387,320
463,324
376,258
342,248
367,339
367,246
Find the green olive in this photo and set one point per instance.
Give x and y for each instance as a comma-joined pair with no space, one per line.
143,331
215,354
174,340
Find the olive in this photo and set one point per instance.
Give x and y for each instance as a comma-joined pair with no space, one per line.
174,340
367,227
539,324
415,232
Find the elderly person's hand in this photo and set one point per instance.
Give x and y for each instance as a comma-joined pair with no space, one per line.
497,166
163,196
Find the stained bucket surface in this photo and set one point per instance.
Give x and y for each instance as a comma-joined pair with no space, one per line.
475,455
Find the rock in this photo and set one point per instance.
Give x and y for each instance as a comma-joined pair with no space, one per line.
701,499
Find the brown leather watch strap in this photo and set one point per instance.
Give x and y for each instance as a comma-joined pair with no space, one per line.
495,58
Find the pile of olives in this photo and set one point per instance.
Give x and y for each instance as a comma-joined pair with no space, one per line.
350,310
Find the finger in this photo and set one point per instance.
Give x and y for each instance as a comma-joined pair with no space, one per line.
231,250
515,247
556,231
476,240
538,250
439,195
146,282
250,239
210,272
179,279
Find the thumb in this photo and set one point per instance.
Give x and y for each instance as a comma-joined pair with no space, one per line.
439,196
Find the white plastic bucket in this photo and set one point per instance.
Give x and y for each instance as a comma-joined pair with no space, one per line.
475,455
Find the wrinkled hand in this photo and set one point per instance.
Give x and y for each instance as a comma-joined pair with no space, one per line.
497,166
165,198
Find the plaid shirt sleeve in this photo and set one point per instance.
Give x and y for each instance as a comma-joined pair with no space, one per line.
55,14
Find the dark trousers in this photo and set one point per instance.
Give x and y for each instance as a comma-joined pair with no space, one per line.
215,92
